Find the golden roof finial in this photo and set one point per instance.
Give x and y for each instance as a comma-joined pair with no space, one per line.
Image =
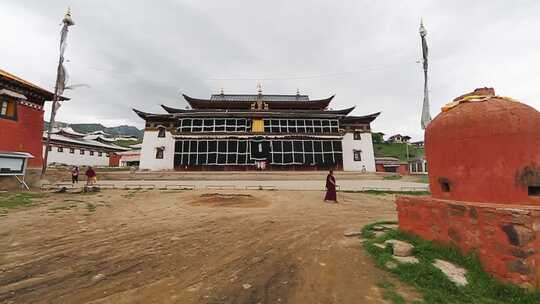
259,88
67,17
221,91
297,91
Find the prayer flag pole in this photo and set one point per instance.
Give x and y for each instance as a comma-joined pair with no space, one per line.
426,116
61,79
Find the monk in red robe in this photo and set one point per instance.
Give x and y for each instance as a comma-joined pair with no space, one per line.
330,188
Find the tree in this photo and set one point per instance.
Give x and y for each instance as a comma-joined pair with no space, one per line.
377,137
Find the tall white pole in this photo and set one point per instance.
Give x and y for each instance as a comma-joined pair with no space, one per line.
58,87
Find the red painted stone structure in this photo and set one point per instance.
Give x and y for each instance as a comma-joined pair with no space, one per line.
484,158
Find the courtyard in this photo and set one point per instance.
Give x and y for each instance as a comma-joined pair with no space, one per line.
194,246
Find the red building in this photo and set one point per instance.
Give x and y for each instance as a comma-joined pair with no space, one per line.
391,164
484,170
21,116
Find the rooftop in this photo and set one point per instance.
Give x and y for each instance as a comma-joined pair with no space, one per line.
49,95
244,101
255,97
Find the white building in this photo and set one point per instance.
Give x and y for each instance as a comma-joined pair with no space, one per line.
130,158
72,148
252,132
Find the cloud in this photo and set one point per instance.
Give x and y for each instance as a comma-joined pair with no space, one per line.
139,54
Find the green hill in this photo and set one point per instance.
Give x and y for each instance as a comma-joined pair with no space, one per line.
397,150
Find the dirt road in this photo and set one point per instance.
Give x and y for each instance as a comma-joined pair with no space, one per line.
191,247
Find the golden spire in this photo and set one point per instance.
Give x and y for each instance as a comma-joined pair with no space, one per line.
259,88
67,17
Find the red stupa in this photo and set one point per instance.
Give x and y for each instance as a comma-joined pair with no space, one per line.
483,153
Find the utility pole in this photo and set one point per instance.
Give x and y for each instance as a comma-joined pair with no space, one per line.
59,86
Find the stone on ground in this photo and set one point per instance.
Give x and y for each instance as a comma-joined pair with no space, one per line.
378,228
406,260
390,265
98,277
454,273
401,248
379,233
353,233
382,246
390,226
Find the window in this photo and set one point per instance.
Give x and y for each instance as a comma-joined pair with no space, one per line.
445,184
161,132
91,153
357,155
159,153
50,148
60,149
71,150
357,136
108,155
100,154
8,108
534,190
82,151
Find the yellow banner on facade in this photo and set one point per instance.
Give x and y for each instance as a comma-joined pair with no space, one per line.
257,126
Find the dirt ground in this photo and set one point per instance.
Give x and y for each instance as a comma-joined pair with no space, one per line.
192,247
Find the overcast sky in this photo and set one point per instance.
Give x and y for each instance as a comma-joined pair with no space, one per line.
140,54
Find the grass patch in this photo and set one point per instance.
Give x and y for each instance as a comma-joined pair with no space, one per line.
433,284
16,200
389,293
392,177
385,192
397,150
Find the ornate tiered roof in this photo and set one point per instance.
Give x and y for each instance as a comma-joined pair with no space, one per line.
249,106
244,101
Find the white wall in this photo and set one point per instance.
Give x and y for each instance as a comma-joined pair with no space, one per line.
151,141
365,145
76,158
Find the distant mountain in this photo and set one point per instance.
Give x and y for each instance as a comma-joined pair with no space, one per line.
124,130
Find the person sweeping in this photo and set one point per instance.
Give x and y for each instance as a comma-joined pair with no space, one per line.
331,195
90,176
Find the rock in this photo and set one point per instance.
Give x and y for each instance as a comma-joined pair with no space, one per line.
520,267
382,246
378,228
406,260
454,273
61,190
390,226
98,277
353,233
91,189
390,265
379,233
518,235
246,286
401,248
